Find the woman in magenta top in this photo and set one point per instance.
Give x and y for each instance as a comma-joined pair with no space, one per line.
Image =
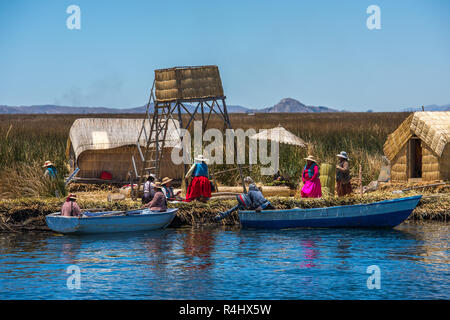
310,177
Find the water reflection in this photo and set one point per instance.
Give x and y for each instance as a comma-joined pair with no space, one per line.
205,263
198,243
311,253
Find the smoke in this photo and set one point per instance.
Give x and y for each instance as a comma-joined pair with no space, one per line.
102,92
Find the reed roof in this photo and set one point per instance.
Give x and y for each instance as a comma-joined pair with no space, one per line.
280,135
433,128
107,133
187,83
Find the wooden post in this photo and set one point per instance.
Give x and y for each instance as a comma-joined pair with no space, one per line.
360,181
133,196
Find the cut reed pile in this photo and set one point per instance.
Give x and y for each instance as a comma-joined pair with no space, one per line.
28,214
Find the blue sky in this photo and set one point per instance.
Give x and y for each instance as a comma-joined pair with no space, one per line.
318,52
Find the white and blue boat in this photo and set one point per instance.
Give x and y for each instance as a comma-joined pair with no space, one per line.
111,221
382,214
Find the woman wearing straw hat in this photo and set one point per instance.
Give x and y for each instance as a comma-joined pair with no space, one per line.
200,187
159,201
50,170
310,177
70,208
168,189
343,186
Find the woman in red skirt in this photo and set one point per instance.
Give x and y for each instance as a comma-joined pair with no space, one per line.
200,186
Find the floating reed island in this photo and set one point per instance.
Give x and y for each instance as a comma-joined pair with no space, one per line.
29,213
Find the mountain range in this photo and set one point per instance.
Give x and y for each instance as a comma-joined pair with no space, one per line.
286,105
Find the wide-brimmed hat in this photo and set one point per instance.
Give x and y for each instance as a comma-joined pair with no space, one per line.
157,185
47,164
343,154
311,158
166,180
201,158
248,180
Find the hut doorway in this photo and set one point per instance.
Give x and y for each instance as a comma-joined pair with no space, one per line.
415,158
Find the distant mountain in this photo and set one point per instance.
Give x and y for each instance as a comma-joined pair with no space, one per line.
55,109
431,107
287,105
292,105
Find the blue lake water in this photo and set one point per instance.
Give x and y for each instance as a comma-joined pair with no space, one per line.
230,263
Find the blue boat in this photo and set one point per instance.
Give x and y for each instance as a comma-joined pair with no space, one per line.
111,221
382,214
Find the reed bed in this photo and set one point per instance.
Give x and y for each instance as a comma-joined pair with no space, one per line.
29,213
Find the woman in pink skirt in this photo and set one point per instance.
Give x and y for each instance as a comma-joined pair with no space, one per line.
310,177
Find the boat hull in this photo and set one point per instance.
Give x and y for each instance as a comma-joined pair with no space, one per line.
145,220
383,214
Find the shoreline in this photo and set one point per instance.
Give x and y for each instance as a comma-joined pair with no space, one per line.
28,214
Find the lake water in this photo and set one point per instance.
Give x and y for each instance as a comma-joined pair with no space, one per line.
223,263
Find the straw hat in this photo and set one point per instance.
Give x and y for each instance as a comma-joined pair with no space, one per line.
157,185
201,158
72,196
248,180
311,158
343,154
47,164
166,180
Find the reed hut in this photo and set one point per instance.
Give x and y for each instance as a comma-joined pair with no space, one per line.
96,145
419,149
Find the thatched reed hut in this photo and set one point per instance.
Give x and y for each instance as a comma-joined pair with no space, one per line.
419,148
103,144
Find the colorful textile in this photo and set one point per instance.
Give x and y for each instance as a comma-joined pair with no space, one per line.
51,172
200,170
168,191
199,187
310,172
312,187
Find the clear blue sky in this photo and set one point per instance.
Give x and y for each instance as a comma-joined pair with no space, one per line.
318,52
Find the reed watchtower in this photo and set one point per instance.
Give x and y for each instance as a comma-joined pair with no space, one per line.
195,91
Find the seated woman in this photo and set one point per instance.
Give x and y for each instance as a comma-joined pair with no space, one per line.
168,190
149,192
70,208
310,177
159,201
200,187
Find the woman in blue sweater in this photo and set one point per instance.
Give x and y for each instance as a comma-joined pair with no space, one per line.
200,186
